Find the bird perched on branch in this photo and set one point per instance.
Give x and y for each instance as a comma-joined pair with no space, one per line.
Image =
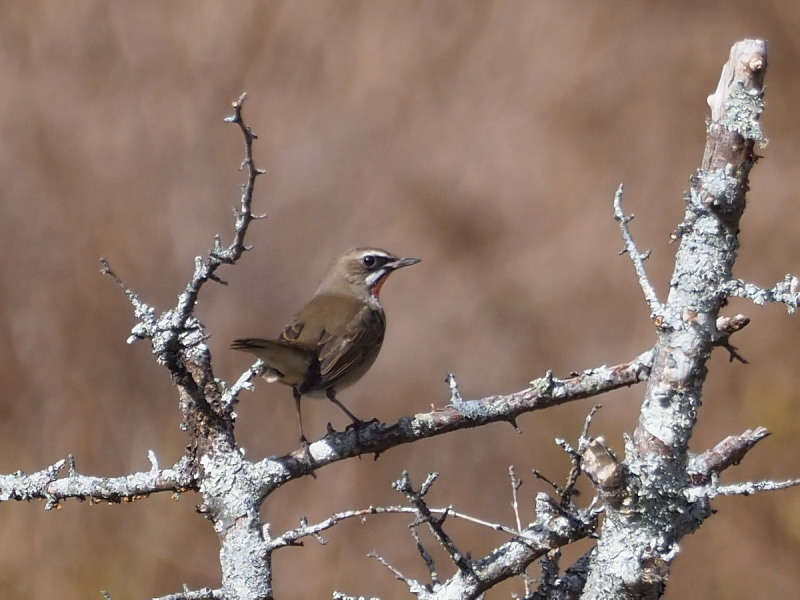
335,338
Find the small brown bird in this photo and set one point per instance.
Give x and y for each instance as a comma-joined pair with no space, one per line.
334,339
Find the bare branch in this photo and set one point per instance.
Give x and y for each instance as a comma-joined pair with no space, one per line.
376,438
633,560
230,394
205,268
576,458
145,313
784,292
750,488
291,537
414,586
424,515
47,485
341,596
569,585
729,452
606,472
552,529
637,257
335,446
515,485
178,342
726,327
427,559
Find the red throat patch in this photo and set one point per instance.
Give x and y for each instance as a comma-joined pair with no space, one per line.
376,290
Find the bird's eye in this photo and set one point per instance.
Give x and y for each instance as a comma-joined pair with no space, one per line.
369,261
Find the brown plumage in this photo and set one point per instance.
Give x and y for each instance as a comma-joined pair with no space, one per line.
335,338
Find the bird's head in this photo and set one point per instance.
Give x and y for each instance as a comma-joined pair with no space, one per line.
362,271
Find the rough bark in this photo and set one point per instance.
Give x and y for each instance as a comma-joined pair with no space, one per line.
639,538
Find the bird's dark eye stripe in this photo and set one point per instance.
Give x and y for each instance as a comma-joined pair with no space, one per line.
375,261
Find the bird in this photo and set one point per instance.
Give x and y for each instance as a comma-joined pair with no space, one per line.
335,338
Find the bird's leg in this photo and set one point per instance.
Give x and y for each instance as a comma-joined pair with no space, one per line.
303,441
331,394
297,396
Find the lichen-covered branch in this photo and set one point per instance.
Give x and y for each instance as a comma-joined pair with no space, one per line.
640,534
637,257
376,438
729,452
218,468
553,527
48,485
784,292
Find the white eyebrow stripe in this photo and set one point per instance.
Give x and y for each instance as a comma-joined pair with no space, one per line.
374,253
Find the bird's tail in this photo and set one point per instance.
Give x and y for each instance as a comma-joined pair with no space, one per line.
289,364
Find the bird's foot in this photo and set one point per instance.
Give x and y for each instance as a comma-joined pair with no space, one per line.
359,424
356,425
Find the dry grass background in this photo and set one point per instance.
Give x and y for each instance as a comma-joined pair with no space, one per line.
486,138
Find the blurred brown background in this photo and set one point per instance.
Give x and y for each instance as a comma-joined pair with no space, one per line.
486,138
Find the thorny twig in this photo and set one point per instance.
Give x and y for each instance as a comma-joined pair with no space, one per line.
638,258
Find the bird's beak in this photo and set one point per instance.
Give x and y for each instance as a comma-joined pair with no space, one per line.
402,262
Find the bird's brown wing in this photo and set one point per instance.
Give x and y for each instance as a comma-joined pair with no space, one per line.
343,333
350,353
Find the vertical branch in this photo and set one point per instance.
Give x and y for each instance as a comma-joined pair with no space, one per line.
640,537
705,258
205,268
213,460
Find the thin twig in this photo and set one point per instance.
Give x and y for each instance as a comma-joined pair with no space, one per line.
205,269
638,258
752,487
577,459
413,585
144,312
426,558
230,394
784,292
515,485
424,515
727,453
291,537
